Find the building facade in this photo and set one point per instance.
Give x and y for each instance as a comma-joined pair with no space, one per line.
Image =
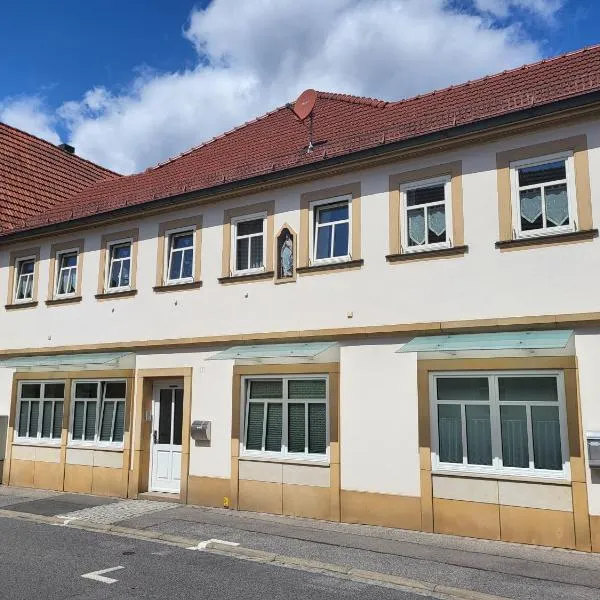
406,337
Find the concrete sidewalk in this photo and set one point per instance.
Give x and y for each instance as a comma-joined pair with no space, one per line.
495,568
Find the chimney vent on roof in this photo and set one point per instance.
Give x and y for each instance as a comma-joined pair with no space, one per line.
67,148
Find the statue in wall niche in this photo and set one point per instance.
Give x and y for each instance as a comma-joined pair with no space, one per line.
286,254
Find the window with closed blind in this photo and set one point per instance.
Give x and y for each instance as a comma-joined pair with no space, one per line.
98,412
503,422
40,411
287,417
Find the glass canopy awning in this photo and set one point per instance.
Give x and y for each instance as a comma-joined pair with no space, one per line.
64,362
308,350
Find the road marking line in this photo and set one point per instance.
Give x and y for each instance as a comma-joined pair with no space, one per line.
207,543
97,575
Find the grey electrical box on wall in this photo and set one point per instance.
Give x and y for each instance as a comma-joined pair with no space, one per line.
200,431
593,444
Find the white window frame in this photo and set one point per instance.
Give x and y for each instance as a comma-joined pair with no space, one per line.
314,207
571,194
96,442
58,262
18,276
37,439
284,455
446,181
234,239
169,235
496,468
109,264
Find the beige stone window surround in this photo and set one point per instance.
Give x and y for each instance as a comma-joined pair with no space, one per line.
230,217
581,203
308,202
165,230
16,257
456,243
56,251
107,242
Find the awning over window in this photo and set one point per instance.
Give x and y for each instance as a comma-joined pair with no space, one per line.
511,340
62,362
309,350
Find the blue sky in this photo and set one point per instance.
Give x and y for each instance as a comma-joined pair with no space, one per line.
133,82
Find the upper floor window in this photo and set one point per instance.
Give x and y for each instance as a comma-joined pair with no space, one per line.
426,214
543,195
98,413
331,230
503,423
249,240
66,277
180,256
40,410
24,274
119,266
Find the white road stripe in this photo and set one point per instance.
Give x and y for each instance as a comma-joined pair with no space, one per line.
207,543
97,575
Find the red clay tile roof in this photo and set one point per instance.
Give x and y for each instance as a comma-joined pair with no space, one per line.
36,176
341,125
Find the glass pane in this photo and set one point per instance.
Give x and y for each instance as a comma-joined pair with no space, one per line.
122,251
250,227
554,171
242,254
26,267
34,416
450,433
340,240
302,389
115,273
68,260
115,389
545,425
58,419
416,227
274,427
125,268
175,268
528,389
324,241
317,428
31,390
531,209
184,240
119,422
178,417
256,252
254,428
164,416
47,419
188,263
330,214
296,427
513,422
54,390
24,288
557,205
479,435
436,224
266,389
86,390
107,419
23,416
425,195
90,421
78,413
462,388
72,281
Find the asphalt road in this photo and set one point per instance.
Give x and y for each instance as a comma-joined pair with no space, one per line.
46,561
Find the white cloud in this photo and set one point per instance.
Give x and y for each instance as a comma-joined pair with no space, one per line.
29,114
258,54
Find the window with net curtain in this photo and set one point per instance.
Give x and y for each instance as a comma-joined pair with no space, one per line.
513,422
249,244
286,416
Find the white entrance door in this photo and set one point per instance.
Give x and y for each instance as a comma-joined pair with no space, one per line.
167,421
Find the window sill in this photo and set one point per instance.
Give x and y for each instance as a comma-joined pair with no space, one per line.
67,300
428,254
95,446
542,240
37,443
287,461
16,305
174,287
119,294
247,277
499,477
331,266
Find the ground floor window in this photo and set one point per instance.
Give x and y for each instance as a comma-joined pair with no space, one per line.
505,422
40,410
98,412
286,416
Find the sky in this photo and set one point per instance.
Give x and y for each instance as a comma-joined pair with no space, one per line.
132,83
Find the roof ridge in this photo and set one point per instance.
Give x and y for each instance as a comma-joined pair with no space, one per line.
352,99
55,147
495,75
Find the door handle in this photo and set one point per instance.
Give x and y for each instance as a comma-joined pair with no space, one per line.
155,437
